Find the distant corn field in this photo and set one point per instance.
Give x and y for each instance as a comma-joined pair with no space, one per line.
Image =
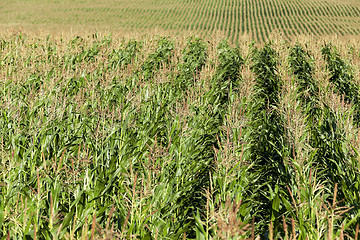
230,18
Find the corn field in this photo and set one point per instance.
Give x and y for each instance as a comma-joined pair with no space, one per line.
169,138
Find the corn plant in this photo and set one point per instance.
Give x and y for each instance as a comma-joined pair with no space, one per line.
331,158
267,145
343,78
102,139
206,127
301,67
125,55
162,55
193,59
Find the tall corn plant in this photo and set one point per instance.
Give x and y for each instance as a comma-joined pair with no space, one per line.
158,128
330,157
227,74
153,129
335,165
162,55
342,77
226,193
267,145
47,153
82,52
200,155
125,55
194,57
308,89
303,190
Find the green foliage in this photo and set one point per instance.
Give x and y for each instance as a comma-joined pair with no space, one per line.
268,83
331,158
302,69
267,144
206,129
125,55
342,78
162,55
194,57
92,145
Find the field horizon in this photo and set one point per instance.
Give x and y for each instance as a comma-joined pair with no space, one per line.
232,19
